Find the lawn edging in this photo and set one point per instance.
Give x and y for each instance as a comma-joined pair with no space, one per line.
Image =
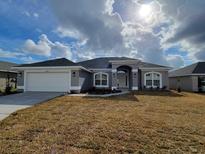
97,95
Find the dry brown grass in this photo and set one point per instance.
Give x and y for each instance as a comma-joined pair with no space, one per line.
144,122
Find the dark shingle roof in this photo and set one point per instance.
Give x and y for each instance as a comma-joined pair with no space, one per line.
6,66
54,62
145,64
99,63
197,68
200,68
104,62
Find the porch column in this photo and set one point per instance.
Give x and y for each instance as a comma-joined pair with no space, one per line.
114,79
135,79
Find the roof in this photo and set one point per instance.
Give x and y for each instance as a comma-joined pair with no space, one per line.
104,62
97,63
6,66
54,62
200,68
196,68
150,65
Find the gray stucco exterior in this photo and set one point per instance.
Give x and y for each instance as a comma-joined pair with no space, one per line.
189,78
20,79
85,80
186,83
80,81
133,73
122,73
75,75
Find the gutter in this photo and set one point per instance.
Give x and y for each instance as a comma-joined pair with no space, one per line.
197,74
51,67
155,68
8,71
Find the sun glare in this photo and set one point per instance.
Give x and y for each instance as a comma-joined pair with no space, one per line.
145,10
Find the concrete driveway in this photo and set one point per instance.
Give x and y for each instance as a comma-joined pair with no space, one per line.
12,103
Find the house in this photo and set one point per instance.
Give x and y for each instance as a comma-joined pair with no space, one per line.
109,72
7,76
190,78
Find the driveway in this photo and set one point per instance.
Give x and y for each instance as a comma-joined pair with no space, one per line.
12,103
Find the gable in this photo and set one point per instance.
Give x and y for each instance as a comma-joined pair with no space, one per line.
54,62
197,68
200,68
106,63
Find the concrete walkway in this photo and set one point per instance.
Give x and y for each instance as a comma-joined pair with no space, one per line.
12,103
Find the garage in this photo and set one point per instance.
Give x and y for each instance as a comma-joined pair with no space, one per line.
47,81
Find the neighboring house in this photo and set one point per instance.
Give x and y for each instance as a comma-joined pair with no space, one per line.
109,72
7,76
190,78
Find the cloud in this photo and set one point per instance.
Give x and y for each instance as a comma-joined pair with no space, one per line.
92,22
26,13
186,29
115,28
106,31
29,14
47,48
144,45
8,54
16,55
191,29
42,47
200,55
61,50
36,15
67,33
28,59
175,61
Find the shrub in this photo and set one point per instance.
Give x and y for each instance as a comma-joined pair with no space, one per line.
8,90
100,90
164,87
178,89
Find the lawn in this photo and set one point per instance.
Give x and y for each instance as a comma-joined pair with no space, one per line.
142,122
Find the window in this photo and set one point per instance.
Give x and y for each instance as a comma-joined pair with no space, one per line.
153,79
97,79
156,80
101,80
149,80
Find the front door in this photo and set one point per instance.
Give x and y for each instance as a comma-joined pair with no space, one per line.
122,80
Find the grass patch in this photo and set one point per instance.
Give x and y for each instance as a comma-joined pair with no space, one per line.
141,122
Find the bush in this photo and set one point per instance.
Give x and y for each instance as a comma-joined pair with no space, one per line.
8,90
178,89
164,87
116,91
100,91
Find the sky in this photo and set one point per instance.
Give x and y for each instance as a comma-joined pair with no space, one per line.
166,32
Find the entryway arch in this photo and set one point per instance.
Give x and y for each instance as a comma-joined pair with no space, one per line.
124,77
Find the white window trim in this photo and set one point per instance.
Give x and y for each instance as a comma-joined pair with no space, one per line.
101,86
160,77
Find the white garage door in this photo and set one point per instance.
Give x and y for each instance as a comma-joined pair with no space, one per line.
54,82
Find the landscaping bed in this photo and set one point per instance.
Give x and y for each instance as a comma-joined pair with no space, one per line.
103,91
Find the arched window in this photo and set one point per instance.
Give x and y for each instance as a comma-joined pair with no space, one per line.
101,79
153,79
